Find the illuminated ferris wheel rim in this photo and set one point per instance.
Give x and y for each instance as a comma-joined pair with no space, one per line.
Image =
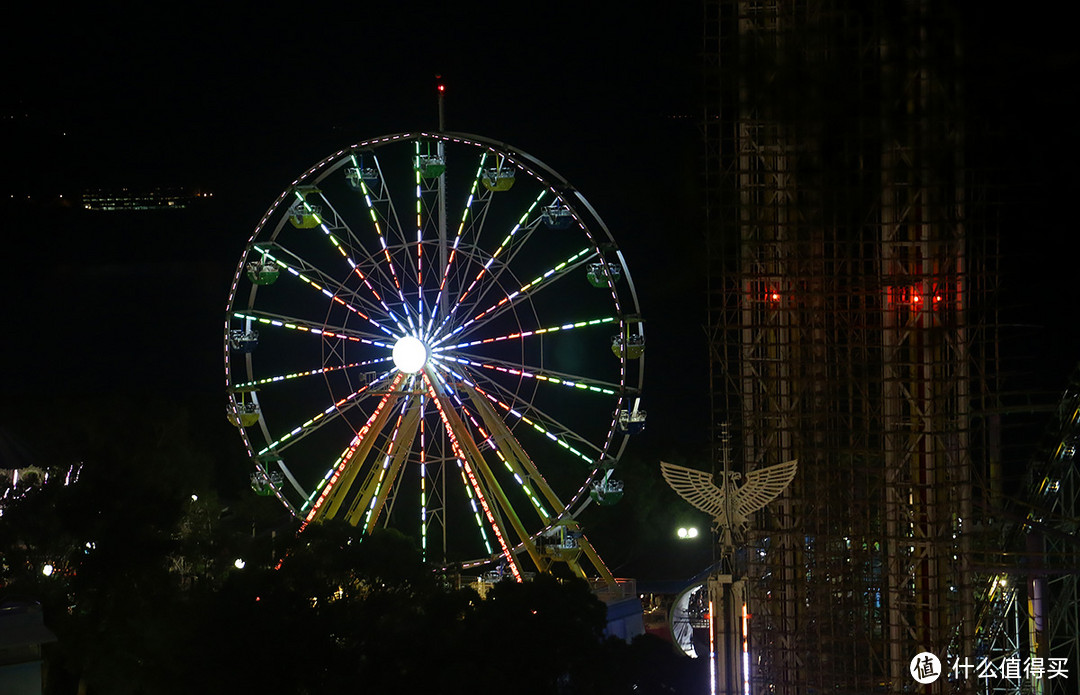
413,351
527,162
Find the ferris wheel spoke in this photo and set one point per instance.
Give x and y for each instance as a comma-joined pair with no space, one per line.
517,460
386,224
429,495
336,228
380,205
385,468
520,233
607,320
430,224
551,428
496,436
448,255
320,419
470,500
315,328
475,468
266,381
329,494
526,292
548,376
320,281
517,248
335,241
517,238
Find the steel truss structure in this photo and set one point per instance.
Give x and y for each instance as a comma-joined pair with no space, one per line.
853,327
1029,599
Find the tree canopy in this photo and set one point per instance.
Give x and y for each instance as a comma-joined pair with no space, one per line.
146,594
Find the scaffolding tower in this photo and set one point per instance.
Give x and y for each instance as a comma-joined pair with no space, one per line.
851,327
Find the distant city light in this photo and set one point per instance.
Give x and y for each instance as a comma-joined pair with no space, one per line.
47,570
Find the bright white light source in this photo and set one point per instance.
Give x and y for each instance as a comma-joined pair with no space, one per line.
410,355
688,532
47,570
239,564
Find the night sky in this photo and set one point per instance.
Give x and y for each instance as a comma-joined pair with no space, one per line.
241,105
241,102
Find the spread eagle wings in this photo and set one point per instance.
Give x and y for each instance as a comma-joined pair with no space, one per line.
761,487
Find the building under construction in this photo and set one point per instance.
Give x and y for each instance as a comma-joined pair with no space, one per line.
852,287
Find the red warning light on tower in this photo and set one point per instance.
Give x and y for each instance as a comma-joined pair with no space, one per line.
915,297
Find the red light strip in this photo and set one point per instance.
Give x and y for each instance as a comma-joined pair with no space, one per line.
349,454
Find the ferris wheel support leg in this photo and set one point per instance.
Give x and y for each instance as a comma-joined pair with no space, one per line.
594,557
438,396
348,476
505,438
511,451
504,504
397,448
476,459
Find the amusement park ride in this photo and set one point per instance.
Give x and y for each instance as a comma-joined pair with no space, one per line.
730,505
435,332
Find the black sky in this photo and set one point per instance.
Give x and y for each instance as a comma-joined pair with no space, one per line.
242,100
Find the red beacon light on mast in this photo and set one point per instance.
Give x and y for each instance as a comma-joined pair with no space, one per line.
440,88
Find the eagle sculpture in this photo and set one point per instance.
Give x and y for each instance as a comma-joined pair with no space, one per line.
730,505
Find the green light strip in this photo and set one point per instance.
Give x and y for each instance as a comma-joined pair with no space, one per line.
544,516
527,334
313,372
297,325
317,418
522,292
540,377
535,425
521,221
352,264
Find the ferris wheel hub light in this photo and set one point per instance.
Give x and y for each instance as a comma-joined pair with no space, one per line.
410,355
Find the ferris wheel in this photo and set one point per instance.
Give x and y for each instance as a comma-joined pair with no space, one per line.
436,332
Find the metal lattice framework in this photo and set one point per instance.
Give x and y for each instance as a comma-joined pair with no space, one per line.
1029,593
851,329
436,332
